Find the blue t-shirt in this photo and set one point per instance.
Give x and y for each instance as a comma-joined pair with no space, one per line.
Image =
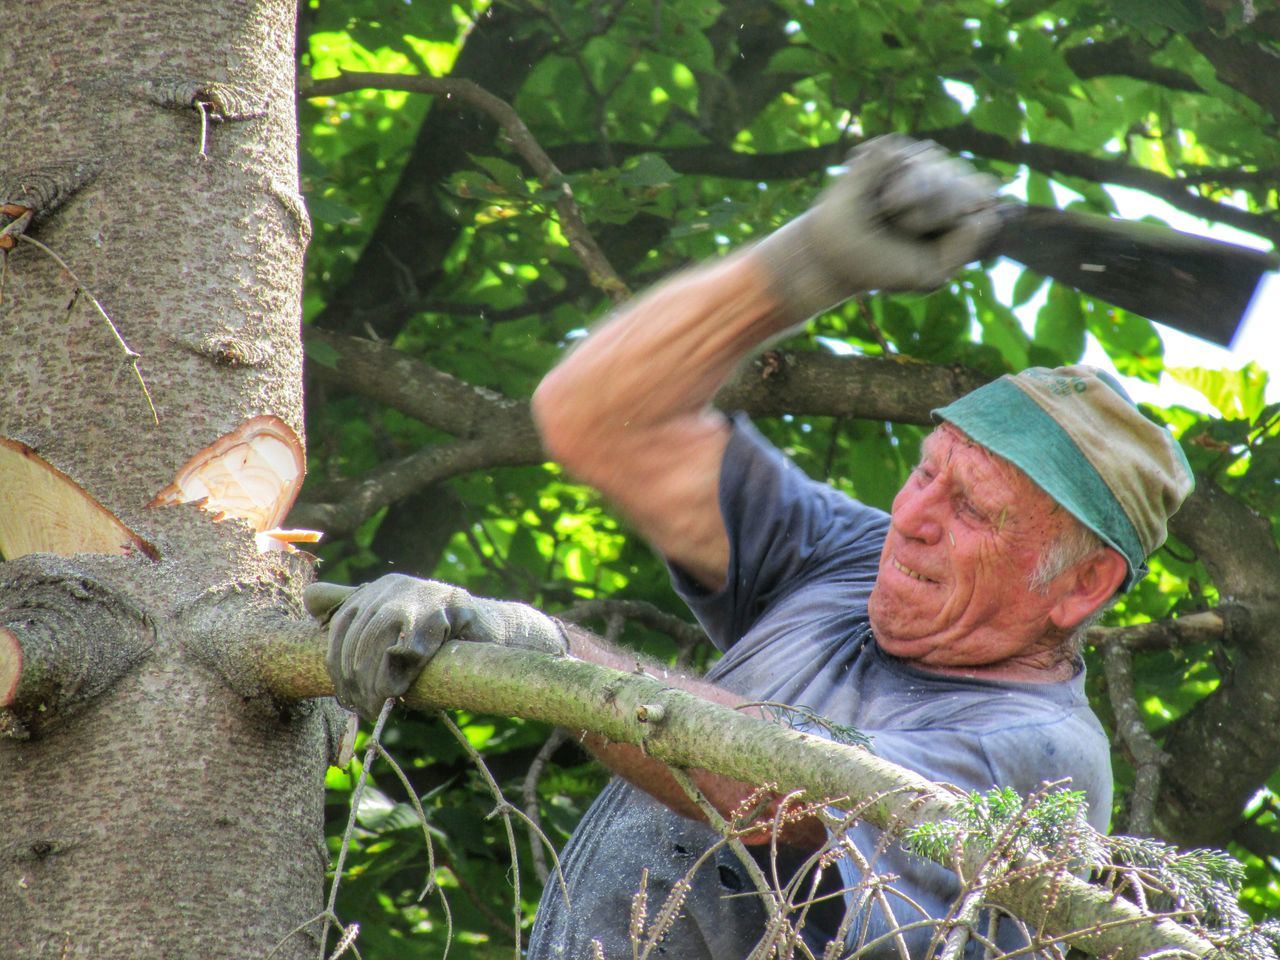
792,622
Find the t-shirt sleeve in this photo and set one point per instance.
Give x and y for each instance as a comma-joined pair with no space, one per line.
785,530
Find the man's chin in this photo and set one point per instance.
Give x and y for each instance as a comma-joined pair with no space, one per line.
901,648
885,617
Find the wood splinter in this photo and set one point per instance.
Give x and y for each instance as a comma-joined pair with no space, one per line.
253,473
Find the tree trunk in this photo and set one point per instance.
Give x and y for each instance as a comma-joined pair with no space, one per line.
152,806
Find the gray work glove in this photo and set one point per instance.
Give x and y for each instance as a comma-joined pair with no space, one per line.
382,634
905,216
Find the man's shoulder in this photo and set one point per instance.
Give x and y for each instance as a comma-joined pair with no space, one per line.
752,463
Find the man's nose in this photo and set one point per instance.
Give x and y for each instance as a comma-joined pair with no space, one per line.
918,512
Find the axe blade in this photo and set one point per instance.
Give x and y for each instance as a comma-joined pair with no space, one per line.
1200,286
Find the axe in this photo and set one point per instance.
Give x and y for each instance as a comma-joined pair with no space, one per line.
1200,286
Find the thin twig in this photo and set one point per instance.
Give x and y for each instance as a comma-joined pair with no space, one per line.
203,109
356,794
529,793
503,809
347,940
132,356
721,826
422,819
518,135
962,925
875,889
306,923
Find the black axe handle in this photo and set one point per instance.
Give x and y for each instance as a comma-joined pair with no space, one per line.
1199,286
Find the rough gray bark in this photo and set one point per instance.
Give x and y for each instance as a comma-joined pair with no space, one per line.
152,809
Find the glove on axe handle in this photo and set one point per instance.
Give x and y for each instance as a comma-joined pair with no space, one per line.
1200,286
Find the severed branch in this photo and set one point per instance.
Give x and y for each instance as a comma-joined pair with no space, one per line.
66,635
518,135
485,678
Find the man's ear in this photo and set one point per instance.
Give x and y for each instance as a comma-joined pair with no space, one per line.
1087,586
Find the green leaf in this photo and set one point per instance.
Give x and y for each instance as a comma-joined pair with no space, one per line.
1178,16
1001,114
505,173
1236,394
1130,340
1060,324
1040,190
1026,286
324,354
648,170
794,59
328,210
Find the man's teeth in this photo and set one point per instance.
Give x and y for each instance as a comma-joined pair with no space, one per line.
908,571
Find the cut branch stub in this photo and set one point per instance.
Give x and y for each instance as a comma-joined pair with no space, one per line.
252,473
66,635
42,510
10,666
14,220
220,101
42,191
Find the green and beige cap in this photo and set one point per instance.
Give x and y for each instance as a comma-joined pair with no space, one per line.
1076,433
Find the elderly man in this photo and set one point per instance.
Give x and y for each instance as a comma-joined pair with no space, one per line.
945,631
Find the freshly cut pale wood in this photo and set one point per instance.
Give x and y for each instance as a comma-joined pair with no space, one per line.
10,666
253,473
42,510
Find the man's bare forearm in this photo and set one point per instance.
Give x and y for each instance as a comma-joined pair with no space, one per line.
666,353
628,411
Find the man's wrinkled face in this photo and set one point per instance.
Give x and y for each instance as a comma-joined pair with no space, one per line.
966,534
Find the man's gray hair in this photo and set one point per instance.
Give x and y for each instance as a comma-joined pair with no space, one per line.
1073,545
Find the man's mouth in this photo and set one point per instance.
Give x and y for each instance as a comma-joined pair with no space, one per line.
909,572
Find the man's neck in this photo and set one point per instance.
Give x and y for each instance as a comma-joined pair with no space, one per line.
1015,670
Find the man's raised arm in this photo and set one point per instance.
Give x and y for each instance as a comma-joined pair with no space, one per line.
628,411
